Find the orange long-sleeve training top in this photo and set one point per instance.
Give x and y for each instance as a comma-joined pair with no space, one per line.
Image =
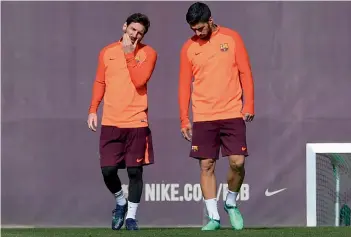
222,74
121,80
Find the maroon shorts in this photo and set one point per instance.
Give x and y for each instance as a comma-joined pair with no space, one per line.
209,137
125,147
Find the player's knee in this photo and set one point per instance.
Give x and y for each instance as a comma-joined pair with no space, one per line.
135,173
109,171
237,161
207,166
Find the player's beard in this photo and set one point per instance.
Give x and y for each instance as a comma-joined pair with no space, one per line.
208,35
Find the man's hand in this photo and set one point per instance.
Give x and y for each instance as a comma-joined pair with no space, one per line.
92,121
128,46
187,132
248,117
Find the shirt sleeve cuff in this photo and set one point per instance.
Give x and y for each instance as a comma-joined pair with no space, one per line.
184,122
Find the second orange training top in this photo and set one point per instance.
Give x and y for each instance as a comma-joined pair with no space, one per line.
222,75
121,81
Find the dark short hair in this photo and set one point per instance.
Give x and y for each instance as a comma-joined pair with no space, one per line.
198,13
139,18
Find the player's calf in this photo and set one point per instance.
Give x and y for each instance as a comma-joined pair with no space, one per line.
208,187
113,183
135,187
236,176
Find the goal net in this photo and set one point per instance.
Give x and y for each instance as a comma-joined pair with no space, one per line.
328,184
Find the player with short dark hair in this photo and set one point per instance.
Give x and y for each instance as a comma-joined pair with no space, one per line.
217,60
124,68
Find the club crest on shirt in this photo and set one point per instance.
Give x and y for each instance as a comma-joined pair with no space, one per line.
140,58
137,58
224,47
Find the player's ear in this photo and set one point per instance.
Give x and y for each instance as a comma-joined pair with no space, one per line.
210,21
124,27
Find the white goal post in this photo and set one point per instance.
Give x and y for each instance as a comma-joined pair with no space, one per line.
312,149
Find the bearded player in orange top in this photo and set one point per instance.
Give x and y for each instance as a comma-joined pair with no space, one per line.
124,68
217,60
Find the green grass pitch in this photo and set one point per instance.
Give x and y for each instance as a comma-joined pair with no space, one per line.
179,232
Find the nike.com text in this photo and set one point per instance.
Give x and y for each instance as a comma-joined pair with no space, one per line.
189,192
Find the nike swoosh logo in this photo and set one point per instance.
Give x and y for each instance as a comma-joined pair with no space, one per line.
268,193
139,160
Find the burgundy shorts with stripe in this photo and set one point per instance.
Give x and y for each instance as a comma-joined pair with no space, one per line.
209,137
125,147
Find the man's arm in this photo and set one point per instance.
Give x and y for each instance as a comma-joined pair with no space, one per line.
243,61
184,89
140,73
99,85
